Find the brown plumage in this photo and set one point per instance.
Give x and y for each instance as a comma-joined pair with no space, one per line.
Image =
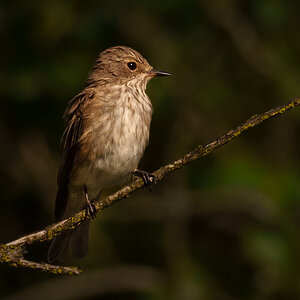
107,130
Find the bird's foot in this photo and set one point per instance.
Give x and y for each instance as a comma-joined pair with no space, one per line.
90,206
91,210
148,178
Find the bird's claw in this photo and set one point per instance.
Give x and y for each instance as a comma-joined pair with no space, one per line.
90,206
148,178
91,210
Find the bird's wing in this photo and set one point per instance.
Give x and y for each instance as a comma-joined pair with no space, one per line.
70,145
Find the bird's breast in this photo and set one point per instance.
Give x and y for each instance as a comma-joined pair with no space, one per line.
127,136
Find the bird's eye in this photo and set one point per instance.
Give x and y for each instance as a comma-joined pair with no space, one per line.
131,65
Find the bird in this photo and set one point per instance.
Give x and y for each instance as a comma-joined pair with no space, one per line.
106,133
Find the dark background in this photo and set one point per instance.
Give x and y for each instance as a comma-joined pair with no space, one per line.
225,227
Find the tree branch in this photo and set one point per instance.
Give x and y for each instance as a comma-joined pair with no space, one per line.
13,253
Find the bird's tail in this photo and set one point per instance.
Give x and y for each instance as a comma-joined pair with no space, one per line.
75,240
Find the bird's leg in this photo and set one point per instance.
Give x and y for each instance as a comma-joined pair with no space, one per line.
148,178
90,207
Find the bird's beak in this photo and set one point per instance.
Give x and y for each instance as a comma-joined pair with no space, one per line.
158,73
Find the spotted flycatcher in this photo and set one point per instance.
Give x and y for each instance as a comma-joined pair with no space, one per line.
107,130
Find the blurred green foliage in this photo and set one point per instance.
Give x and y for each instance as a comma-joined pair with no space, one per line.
226,227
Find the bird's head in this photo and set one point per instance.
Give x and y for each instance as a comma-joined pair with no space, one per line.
123,65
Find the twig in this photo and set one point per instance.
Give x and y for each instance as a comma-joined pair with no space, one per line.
12,253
